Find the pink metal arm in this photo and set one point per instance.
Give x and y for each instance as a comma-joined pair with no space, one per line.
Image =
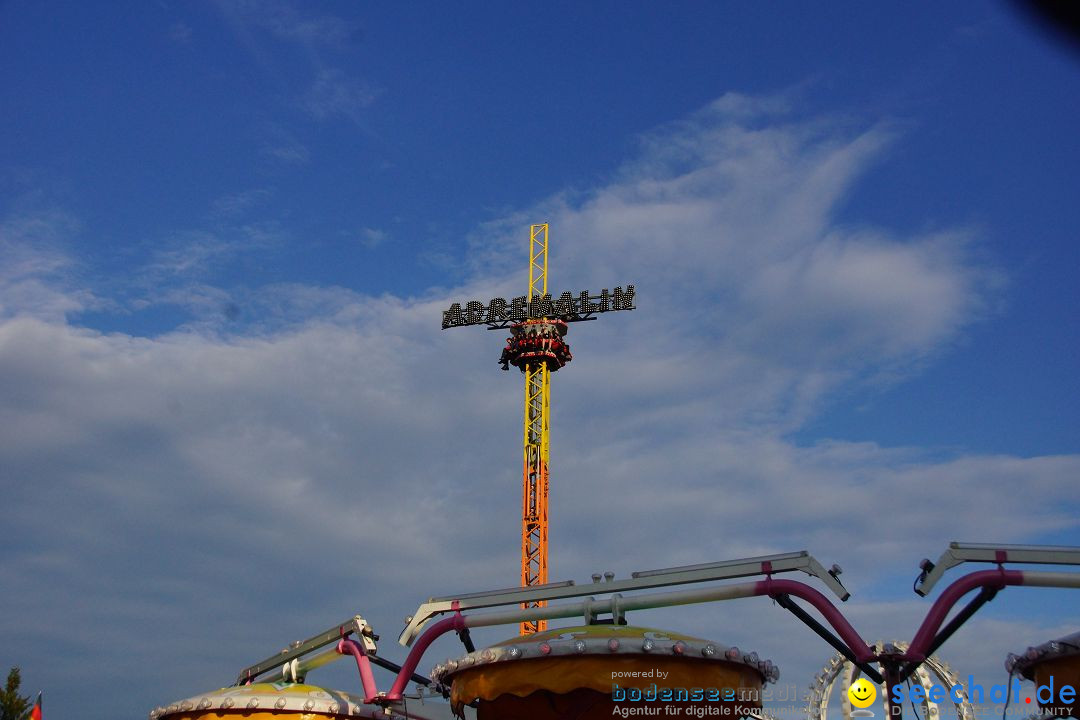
854,641
351,647
995,579
455,622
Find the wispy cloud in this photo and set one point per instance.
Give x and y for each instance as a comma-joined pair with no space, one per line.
36,268
288,22
198,275
190,253
180,33
291,153
334,94
372,238
237,204
282,146
199,253
728,218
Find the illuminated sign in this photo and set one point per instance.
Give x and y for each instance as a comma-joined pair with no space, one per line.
499,313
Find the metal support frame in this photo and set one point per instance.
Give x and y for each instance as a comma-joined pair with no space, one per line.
931,635
617,604
986,594
536,446
355,625
785,601
504,324
529,610
959,553
800,561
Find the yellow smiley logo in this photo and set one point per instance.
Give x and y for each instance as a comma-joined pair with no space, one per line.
862,693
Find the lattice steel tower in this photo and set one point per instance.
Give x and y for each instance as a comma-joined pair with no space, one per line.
537,347
534,477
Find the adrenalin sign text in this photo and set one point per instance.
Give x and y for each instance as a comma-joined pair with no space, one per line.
566,306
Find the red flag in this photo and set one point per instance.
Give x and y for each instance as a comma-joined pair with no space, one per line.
35,713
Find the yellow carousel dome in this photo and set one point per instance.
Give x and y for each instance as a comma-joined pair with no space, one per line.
590,671
269,701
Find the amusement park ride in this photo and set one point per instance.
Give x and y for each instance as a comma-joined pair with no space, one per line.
569,672
536,346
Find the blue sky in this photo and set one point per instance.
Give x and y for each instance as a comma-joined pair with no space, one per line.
228,230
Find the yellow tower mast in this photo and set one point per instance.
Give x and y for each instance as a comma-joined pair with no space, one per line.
534,515
537,347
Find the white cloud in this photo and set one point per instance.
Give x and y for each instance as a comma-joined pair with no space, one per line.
181,271
314,465
228,492
286,22
189,253
290,153
36,272
240,203
281,145
372,238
